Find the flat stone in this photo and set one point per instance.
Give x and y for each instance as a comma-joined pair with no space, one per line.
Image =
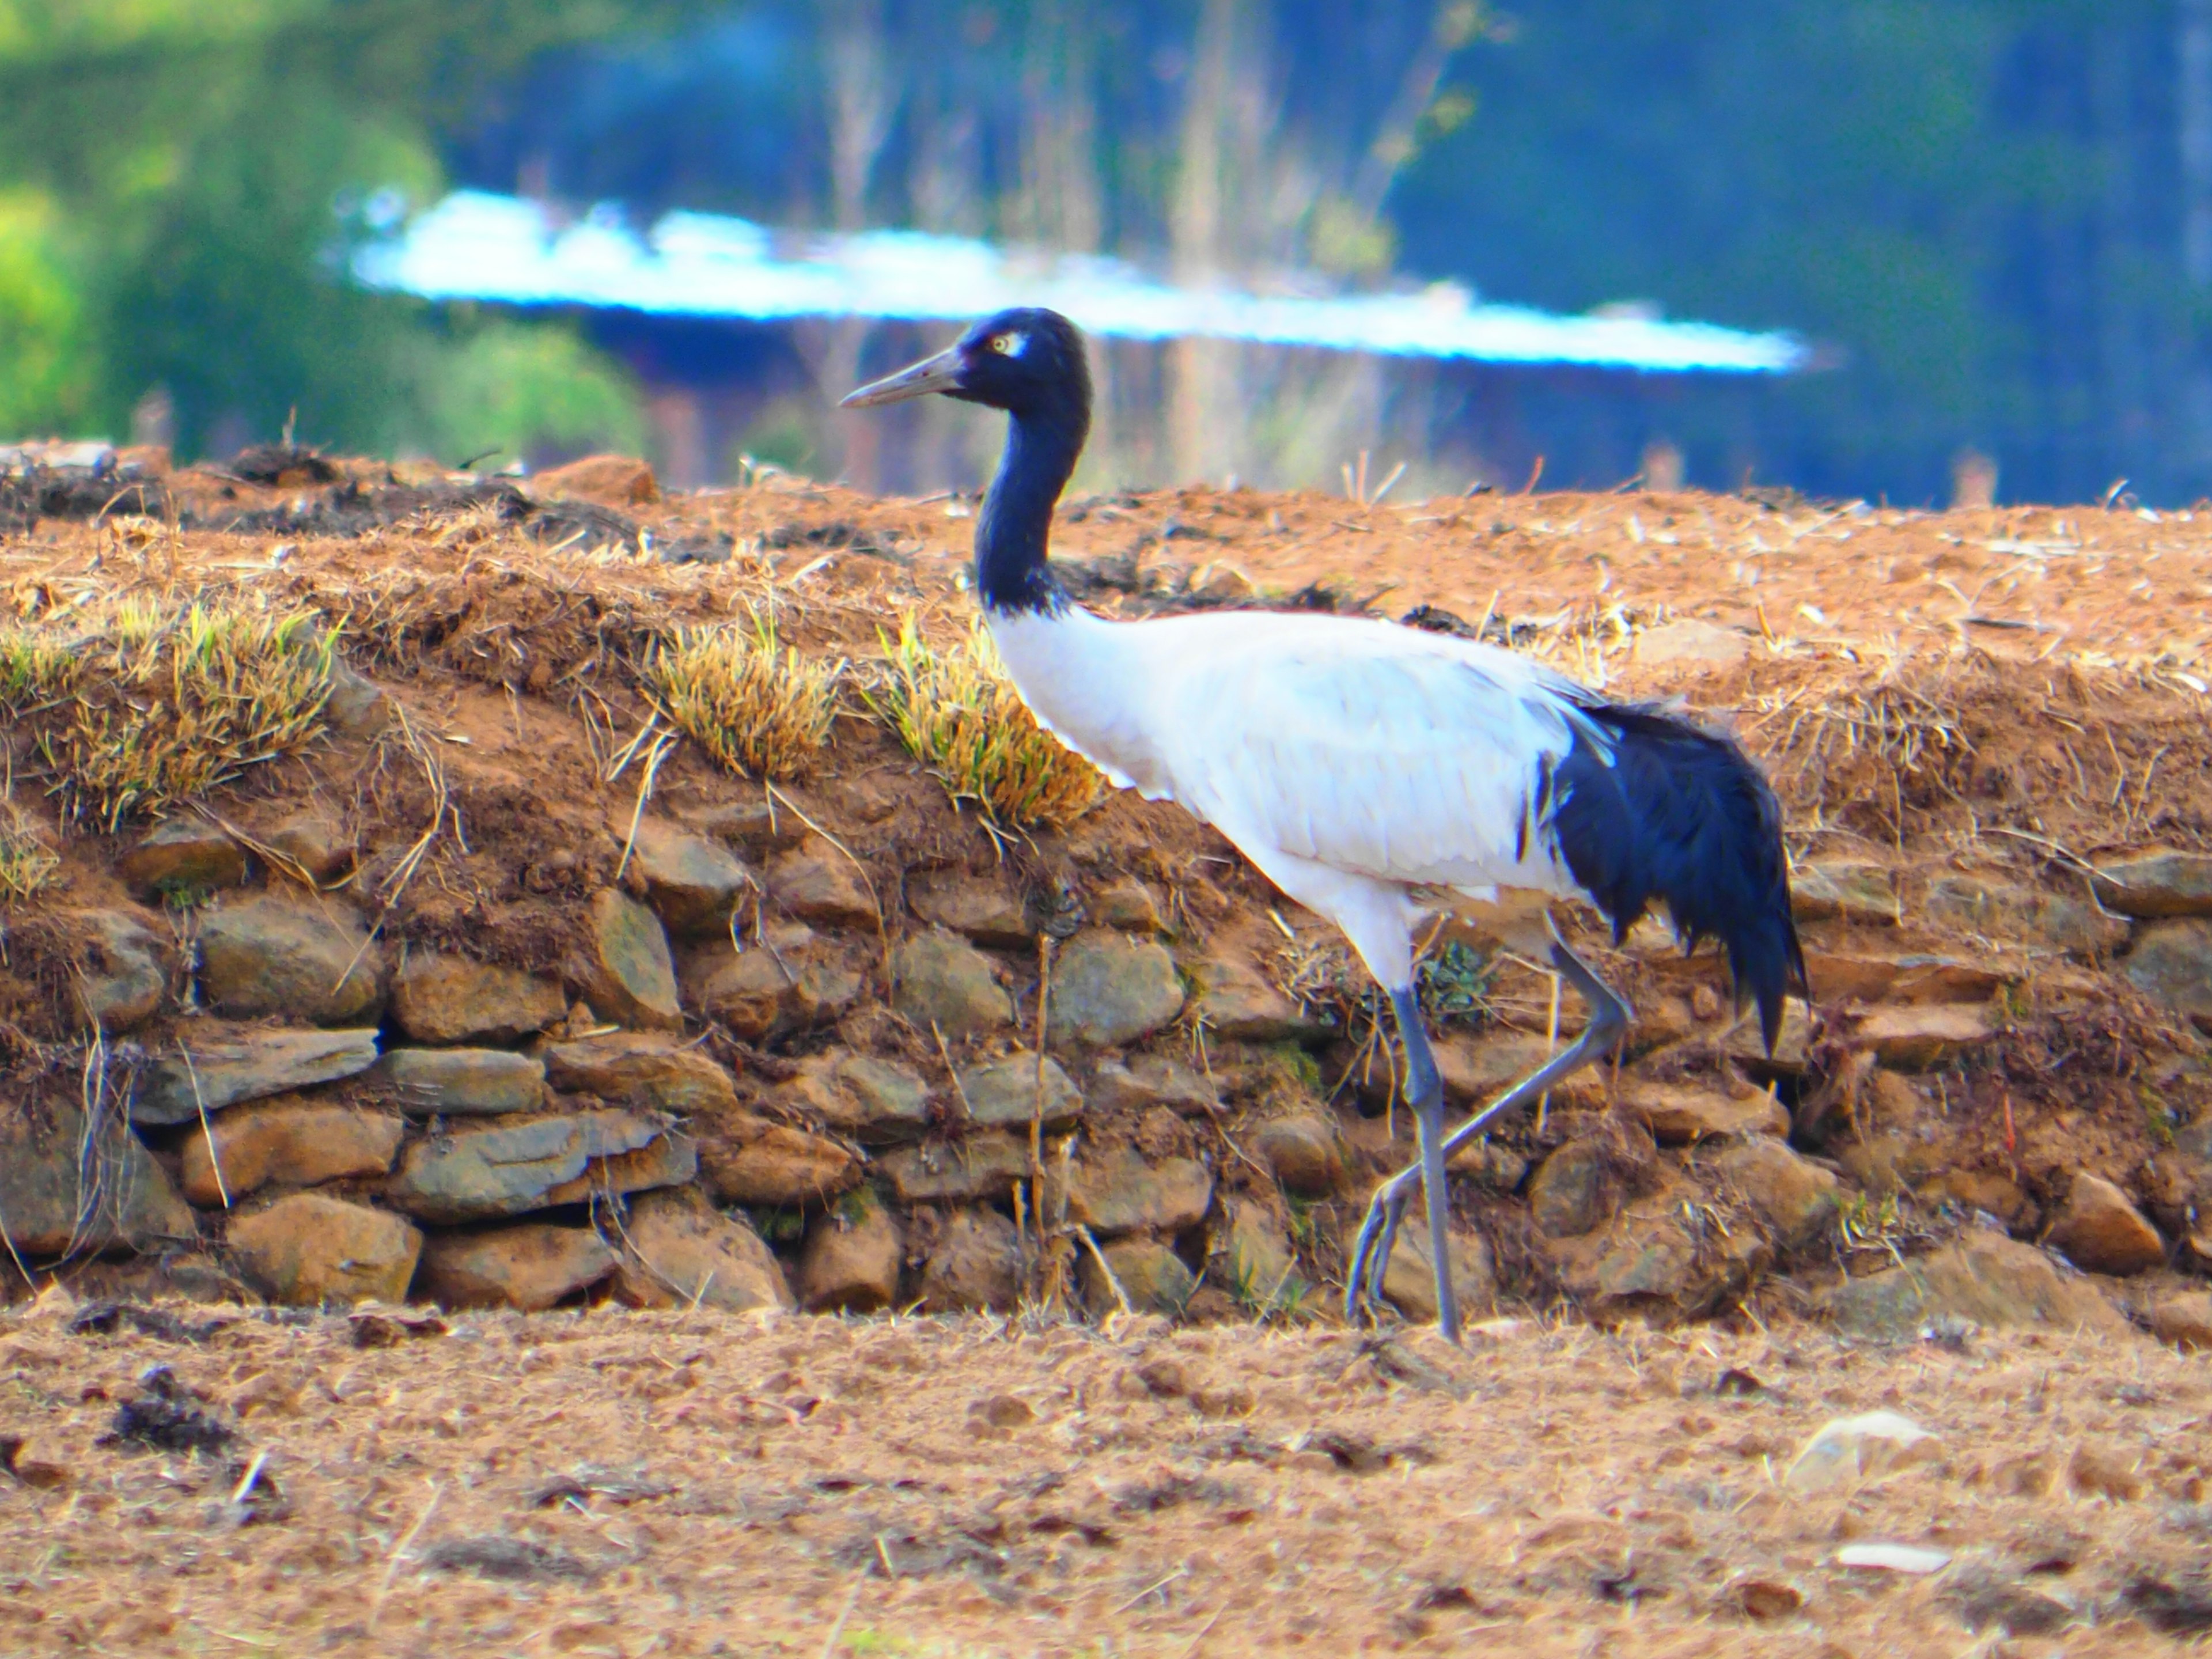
1984,1277
1921,1036
877,1103
287,1143
317,844
1128,904
2023,914
1004,1094
309,1249
1691,641
43,1198
2100,1231
1796,1199
1793,1044
852,1257
266,955
2172,964
1305,1150
1850,888
180,857
942,981
976,1265
2156,883
1986,1190
988,912
1847,1451
1845,976
633,977
1682,1114
668,1160
760,994
2183,1321
815,882
757,826
1409,1283
691,883
529,1266
1151,1276
1645,1266
1260,1269
459,1082
122,968
231,1064
453,999
975,1167
478,1174
753,1160
1237,1002
634,1068
1108,990
616,480
1150,1080
677,1251
1120,1192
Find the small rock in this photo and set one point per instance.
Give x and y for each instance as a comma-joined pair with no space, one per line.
35,1461
2104,1471
1130,905
1851,888
44,1200
1682,1114
816,883
2023,913
2184,1320
1004,1093
1570,1193
1489,1164
942,981
2172,964
316,962
757,826
1919,1037
229,1065
1691,641
877,1103
1151,1276
317,844
1239,1003
1847,1451
1645,1266
287,1143
1409,1283
1476,1070
1120,1192
357,706
976,1264
610,480
1150,1080
307,1250
633,1068
677,1250
633,977
1986,1190
1796,1199
1747,1045
1908,1558
2100,1231
668,1160
852,1257
479,1174
690,881
985,911
1304,1151
1262,1270
182,857
449,999
530,1266
975,1167
751,1160
460,1082
760,994
2156,883
122,969
1983,1597
1984,1277
1766,1599
1107,990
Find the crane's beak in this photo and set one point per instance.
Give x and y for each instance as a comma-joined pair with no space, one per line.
937,373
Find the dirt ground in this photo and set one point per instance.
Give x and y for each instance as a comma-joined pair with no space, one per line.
694,1484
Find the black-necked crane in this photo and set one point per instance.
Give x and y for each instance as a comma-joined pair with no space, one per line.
1373,773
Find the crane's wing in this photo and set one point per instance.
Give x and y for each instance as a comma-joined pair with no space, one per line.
1344,747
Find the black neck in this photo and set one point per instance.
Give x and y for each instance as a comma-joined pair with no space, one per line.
1012,529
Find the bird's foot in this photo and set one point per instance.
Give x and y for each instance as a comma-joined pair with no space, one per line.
1378,1232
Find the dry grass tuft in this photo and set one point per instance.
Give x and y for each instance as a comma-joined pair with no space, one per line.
957,713
148,705
757,706
26,863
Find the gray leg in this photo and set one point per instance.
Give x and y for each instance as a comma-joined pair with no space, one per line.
1371,1253
1425,1093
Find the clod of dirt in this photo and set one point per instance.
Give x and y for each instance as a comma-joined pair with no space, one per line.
166,1418
588,1480
385,1330
517,1558
2177,1606
285,464
104,1318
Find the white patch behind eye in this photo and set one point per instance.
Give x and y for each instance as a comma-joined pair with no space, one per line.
1015,343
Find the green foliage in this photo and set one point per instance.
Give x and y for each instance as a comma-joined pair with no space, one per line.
45,371
520,390
1454,985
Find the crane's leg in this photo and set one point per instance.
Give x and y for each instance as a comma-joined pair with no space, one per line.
1371,1253
1425,1093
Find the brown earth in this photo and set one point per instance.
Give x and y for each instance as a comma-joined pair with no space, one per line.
1966,715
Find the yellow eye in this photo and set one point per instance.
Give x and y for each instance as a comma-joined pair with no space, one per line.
1002,344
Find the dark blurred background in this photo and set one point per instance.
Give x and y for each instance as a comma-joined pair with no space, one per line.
1995,219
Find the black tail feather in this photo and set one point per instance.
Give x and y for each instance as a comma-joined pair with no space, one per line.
1680,814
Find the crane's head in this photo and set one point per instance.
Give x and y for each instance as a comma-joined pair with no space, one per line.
1028,362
